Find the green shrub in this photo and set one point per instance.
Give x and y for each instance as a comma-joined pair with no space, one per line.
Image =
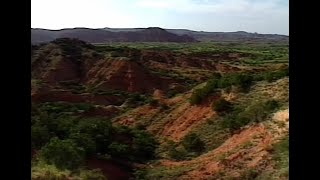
175,152
118,149
255,112
141,126
99,130
94,174
269,77
178,153
244,81
259,111
193,143
64,154
63,125
224,82
140,174
221,106
138,99
153,102
171,93
84,106
216,75
274,75
84,141
56,125
39,135
271,105
144,145
234,122
42,171
196,97
164,106
199,95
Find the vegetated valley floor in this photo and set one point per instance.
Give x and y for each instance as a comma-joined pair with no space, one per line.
166,110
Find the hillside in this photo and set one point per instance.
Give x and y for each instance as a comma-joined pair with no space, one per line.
151,34
159,110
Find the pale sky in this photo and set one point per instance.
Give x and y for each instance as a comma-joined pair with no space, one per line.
261,16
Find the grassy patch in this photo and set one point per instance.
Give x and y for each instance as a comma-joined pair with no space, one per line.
281,157
41,170
212,133
165,173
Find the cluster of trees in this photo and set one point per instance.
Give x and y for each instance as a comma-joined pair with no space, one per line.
235,117
132,54
59,108
255,112
66,141
274,75
243,81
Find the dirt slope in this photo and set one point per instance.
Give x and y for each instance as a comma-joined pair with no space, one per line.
247,150
184,118
124,75
174,123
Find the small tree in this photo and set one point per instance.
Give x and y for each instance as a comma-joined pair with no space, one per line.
271,105
221,106
177,153
193,143
244,81
196,97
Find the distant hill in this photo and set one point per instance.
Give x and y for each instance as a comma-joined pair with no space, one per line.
151,34
230,36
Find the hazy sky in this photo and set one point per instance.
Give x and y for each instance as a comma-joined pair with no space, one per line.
262,16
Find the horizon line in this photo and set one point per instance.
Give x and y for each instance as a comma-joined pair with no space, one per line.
59,29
